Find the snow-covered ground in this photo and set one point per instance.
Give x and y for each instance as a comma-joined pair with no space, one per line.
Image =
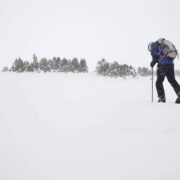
86,127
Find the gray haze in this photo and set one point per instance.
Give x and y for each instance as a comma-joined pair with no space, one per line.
93,29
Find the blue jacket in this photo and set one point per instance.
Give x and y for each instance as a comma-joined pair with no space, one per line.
157,53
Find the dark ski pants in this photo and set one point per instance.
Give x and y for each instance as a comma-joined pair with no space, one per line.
166,70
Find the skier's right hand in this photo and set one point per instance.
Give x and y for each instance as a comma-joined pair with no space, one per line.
153,62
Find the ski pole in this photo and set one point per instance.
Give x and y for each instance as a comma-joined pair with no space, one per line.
152,84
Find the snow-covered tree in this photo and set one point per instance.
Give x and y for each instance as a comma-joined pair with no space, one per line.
102,67
75,66
18,65
43,65
83,66
35,62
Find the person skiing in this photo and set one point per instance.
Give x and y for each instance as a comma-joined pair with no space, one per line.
163,53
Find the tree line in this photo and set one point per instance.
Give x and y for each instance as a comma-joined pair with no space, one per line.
56,64
115,69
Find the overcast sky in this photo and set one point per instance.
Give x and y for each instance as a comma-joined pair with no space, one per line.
116,30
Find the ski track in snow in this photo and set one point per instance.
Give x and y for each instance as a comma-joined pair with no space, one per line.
85,127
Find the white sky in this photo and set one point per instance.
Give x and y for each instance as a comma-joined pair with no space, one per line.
118,30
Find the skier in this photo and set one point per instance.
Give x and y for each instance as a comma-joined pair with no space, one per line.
163,53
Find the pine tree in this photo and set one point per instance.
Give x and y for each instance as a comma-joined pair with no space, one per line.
18,65
26,66
55,64
83,66
75,66
43,65
30,67
103,67
114,69
65,65
35,62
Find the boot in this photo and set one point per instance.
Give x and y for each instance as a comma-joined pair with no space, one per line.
178,99
162,99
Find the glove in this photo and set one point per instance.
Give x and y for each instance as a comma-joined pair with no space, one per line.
153,62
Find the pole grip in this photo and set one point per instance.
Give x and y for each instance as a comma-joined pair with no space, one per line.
152,84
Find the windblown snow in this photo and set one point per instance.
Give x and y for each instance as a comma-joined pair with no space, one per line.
85,127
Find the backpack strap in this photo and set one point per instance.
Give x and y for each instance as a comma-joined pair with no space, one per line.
177,54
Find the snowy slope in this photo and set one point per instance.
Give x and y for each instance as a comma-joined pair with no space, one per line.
86,127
